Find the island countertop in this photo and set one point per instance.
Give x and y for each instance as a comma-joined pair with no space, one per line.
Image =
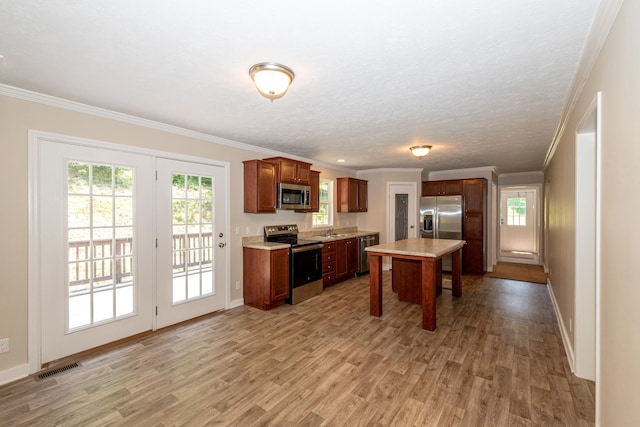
420,247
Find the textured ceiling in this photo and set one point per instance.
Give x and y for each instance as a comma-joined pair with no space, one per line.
483,82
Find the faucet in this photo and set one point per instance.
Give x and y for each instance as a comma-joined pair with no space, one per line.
329,232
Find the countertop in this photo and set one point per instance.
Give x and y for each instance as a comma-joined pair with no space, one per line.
432,248
348,235
257,242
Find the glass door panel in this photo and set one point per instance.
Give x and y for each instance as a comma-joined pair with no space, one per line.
191,224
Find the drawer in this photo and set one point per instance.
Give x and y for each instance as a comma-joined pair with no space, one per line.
328,267
328,279
328,247
330,257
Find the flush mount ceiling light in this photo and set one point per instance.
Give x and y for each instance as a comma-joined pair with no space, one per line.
272,80
420,150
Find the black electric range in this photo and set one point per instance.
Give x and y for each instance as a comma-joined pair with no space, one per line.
305,261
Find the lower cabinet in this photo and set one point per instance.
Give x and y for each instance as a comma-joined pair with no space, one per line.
346,258
328,264
339,261
266,277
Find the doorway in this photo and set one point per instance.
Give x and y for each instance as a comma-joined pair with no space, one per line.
401,210
519,224
587,260
100,258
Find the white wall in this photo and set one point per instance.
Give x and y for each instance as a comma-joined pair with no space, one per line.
616,74
377,217
21,111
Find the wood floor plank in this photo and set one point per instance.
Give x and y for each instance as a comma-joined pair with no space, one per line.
495,359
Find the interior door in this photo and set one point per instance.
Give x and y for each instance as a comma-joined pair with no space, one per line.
192,252
518,224
402,211
96,247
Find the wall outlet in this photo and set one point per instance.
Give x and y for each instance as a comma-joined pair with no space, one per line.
4,345
237,230
237,284
247,230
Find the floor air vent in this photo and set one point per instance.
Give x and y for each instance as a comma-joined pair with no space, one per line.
52,372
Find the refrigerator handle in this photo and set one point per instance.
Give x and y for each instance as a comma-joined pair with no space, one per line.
436,223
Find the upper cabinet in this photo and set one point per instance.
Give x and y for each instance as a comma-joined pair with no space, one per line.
259,187
291,171
452,187
314,183
352,195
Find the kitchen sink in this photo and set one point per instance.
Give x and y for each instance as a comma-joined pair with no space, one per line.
333,235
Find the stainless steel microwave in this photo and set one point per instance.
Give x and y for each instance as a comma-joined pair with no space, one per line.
293,196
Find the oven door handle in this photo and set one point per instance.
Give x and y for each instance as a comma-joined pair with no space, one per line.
306,248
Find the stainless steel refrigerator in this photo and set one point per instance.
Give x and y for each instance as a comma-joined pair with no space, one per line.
441,218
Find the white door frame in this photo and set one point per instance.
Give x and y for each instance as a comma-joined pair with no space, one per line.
35,138
410,188
538,216
587,217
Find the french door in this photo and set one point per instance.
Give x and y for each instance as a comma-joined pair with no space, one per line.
191,240
100,230
96,247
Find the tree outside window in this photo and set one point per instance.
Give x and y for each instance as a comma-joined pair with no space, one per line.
517,211
324,215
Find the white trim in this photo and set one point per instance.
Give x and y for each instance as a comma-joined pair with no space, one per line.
563,331
235,303
436,175
390,213
390,170
34,297
516,174
586,204
53,101
33,266
598,250
602,23
14,374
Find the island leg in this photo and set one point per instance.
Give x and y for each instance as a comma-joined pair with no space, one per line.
429,294
375,285
456,273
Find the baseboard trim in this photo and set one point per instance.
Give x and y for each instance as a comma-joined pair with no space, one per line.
568,348
13,374
235,303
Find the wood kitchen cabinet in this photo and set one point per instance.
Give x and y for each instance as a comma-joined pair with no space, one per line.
346,258
474,194
314,183
291,171
266,277
452,187
352,195
328,264
259,187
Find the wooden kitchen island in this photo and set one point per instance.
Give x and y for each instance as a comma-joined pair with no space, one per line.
422,256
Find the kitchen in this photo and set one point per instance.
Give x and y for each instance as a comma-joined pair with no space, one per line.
29,115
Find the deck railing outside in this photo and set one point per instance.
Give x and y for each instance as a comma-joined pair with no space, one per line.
186,253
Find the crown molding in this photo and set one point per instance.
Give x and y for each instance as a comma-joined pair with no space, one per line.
78,107
390,170
490,169
521,174
602,22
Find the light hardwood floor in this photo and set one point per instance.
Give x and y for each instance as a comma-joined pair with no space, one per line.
495,359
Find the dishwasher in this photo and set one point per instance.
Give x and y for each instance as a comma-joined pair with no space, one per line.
363,256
